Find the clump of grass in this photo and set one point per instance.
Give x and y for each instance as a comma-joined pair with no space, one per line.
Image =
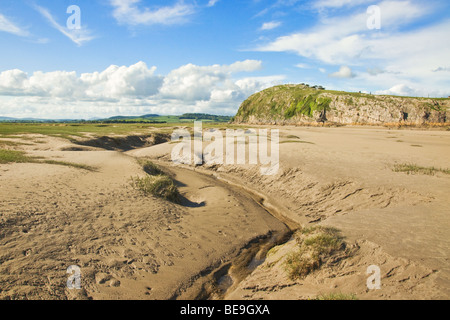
13,156
69,164
9,156
156,182
415,169
161,186
336,296
316,245
7,143
151,168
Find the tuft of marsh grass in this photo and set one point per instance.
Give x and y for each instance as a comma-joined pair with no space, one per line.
156,182
69,164
150,168
161,186
7,143
315,246
410,168
336,296
13,156
9,156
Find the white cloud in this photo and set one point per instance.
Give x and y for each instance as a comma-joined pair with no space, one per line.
303,66
344,72
113,83
324,4
405,54
212,3
442,69
342,39
78,36
7,26
137,81
270,25
130,90
192,82
399,90
127,12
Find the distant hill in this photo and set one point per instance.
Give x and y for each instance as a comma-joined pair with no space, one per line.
134,117
296,104
147,118
204,116
9,119
154,118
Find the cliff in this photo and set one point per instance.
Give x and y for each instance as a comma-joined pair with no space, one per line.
300,104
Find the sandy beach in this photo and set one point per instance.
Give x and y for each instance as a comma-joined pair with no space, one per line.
213,244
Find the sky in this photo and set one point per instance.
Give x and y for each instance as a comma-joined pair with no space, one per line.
85,59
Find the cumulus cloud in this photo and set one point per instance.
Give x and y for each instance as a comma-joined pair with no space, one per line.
130,90
344,72
128,12
194,82
413,90
114,82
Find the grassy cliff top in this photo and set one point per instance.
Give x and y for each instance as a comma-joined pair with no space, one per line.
287,101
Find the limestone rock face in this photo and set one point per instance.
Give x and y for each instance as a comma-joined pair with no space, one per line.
296,104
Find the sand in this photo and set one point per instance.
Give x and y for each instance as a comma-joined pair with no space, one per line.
130,246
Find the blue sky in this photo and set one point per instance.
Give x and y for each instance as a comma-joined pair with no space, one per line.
132,57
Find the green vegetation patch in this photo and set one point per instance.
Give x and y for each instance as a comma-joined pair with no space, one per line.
336,296
69,164
284,102
71,131
13,156
150,168
156,183
316,245
410,168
